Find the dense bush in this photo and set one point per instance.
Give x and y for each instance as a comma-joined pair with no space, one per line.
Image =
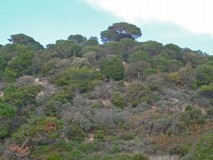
207,91
112,68
82,79
6,110
204,74
192,116
46,127
204,147
118,100
22,95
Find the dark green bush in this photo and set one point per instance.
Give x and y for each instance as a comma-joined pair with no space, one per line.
204,147
118,100
207,91
83,79
40,125
7,110
192,116
112,68
75,133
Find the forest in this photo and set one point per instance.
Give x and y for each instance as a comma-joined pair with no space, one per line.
114,99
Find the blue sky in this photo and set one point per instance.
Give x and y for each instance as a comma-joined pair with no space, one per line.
51,20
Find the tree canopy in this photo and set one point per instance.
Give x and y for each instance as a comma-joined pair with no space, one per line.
121,30
25,40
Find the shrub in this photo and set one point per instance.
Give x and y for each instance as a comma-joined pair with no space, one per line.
21,96
174,65
6,110
137,93
96,104
193,116
140,157
99,134
114,150
179,150
83,79
112,68
136,70
3,131
75,133
128,136
149,72
139,56
207,91
204,147
118,100
41,125
204,74
210,112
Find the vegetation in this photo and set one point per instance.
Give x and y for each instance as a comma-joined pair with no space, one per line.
120,100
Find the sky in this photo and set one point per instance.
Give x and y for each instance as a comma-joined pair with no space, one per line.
187,23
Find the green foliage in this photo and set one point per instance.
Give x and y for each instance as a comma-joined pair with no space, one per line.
159,63
54,156
128,46
194,58
21,96
92,41
173,51
96,105
77,38
137,93
136,70
210,112
77,109
206,91
140,157
187,76
181,150
114,48
204,147
20,64
3,132
26,40
64,49
75,133
114,150
192,116
118,100
149,71
119,31
152,47
99,134
173,65
112,68
139,56
128,136
204,74
40,125
82,79
7,110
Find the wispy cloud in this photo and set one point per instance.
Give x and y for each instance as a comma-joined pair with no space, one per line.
194,15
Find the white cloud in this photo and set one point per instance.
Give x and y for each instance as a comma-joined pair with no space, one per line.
194,15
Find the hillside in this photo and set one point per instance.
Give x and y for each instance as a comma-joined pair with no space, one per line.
119,100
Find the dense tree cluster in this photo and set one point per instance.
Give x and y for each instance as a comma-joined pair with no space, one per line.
123,99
